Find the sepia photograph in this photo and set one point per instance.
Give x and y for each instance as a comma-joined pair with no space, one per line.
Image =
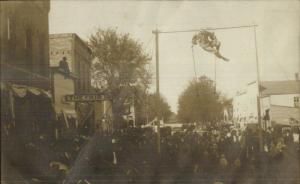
150,91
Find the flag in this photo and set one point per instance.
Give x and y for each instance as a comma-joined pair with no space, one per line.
208,42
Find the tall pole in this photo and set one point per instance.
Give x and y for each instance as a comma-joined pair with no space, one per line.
215,74
147,108
258,94
156,32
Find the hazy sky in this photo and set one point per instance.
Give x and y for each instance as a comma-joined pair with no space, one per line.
277,35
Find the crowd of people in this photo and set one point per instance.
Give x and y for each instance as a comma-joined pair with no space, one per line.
207,155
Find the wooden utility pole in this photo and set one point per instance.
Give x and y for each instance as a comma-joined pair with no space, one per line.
215,74
156,32
258,94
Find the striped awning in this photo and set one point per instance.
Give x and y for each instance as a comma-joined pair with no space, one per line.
22,90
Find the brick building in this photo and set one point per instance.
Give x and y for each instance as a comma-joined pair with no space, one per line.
27,116
78,57
64,84
25,42
25,77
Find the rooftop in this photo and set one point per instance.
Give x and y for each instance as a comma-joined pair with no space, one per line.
280,87
74,35
275,87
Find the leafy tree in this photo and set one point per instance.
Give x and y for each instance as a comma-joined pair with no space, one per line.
151,107
119,67
199,102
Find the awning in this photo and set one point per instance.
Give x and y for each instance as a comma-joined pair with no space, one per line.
22,91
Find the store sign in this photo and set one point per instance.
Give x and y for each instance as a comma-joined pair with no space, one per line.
84,98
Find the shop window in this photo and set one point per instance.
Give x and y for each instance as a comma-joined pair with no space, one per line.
296,101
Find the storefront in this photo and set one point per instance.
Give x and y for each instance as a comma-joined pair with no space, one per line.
28,110
27,125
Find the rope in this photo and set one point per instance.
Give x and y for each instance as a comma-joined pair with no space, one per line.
194,61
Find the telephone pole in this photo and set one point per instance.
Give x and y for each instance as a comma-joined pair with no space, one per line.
258,94
156,33
215,74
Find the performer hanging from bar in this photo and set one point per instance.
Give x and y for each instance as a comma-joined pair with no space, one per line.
209,42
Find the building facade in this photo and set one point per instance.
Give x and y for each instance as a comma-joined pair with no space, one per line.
279,103
78,56
245,105
25,42
75,52
27,116
63,84
25,77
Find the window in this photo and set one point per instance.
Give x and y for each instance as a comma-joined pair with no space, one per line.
296,101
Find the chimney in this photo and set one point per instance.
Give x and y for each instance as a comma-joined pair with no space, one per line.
296,76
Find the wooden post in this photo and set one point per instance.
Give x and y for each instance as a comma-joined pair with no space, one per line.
258,95
156,32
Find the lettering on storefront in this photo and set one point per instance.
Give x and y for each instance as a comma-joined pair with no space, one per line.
83,98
